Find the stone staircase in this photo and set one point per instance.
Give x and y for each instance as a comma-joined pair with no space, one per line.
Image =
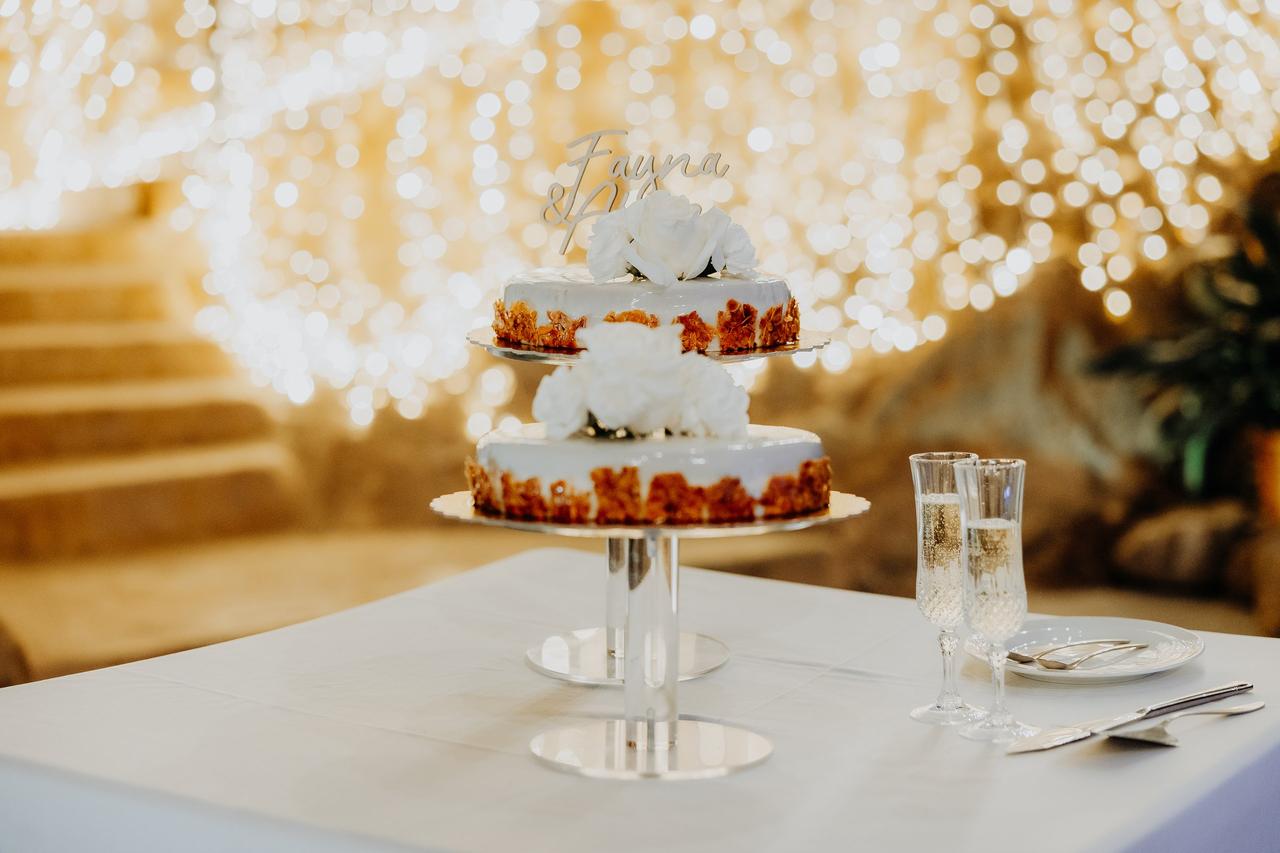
120,428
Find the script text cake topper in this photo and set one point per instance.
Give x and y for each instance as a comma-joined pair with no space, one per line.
562,206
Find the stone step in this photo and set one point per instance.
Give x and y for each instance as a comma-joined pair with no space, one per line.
62,509
125,238
81,293
83,352
98,209
46,422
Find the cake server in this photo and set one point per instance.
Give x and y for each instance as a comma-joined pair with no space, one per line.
1050,738
1159,732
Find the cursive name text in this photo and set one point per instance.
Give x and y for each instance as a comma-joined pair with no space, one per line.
629,178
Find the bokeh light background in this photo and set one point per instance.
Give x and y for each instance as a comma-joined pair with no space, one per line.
365,175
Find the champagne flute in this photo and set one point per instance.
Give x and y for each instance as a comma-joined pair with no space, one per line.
995,593
940,574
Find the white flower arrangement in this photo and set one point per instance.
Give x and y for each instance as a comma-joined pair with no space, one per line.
636,379
667,238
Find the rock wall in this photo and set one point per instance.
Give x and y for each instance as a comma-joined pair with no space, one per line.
1009,382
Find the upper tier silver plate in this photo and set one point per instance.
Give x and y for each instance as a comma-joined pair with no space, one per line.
807,342
458,506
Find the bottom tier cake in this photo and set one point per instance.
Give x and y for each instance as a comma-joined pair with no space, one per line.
773,472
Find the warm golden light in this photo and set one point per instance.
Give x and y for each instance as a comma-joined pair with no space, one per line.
365,179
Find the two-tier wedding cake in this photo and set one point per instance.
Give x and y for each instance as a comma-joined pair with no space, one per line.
644,427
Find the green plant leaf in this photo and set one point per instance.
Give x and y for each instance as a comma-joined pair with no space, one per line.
1195,455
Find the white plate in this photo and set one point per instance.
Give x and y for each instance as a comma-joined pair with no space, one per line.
1168,647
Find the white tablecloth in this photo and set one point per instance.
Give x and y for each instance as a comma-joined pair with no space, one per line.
405,723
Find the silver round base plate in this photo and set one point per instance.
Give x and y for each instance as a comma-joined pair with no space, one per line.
599,749
580,657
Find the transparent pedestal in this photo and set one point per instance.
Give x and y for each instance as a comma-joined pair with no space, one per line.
596,655
650,740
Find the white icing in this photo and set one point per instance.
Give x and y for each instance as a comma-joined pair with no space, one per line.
766,451
635,378
571,290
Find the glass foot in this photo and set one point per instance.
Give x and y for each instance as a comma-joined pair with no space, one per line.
599,749
1004,732
936,715
580,657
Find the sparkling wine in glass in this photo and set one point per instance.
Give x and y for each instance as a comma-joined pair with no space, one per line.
995,593
940,574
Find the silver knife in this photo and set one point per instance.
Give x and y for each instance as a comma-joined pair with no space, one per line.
1050,738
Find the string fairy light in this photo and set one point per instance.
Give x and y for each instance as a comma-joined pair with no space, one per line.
366,176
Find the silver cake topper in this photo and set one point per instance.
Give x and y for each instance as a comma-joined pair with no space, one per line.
562,207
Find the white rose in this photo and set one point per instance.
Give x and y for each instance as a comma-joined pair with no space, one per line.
735,253
671,238
636,378
625,401
631,373
606,254
561,402
711,402
629,342
642,398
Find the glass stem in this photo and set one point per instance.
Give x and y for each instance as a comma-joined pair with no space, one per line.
949,698
996,656
652,664
616,605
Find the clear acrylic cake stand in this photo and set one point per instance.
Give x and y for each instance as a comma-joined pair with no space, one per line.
597,655
651,740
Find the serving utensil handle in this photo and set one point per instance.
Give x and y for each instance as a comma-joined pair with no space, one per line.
1200,698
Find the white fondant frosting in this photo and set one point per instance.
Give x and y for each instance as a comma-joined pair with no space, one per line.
571,290
765,452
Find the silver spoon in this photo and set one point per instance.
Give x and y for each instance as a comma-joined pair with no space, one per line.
1023,657
1049,663
1159,734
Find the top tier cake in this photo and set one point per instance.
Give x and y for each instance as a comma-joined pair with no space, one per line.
660,261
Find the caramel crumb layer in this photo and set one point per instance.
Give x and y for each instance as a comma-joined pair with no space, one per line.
739,327
635,315
617,497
